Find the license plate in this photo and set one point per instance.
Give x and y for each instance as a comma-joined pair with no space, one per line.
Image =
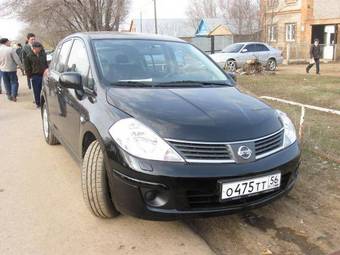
238,189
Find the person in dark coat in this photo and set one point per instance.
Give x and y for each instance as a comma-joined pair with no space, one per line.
27,49
315,55
35,66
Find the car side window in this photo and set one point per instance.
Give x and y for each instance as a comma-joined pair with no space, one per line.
261,47
55,59
79,62
62,58
251,48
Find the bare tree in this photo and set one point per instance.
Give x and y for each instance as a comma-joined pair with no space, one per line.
54,19
243,15
199,9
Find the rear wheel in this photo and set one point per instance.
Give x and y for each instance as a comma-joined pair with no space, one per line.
48,133
271,64
95,184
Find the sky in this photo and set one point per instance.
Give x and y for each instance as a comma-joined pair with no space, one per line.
10,28
165,8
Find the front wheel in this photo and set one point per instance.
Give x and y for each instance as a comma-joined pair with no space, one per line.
48,133
95,184
271,64
230,66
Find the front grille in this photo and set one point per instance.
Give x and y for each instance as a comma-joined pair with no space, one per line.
269,144
202,151
220,152
209,198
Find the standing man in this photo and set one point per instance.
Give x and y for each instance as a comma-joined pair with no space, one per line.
315,55
27,49
9,61
35,66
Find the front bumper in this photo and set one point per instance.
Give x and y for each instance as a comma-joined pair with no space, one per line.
181,190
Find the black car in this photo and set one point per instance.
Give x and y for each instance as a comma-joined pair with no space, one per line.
161,132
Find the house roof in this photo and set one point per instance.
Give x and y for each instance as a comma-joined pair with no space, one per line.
205,26
172,27
209,26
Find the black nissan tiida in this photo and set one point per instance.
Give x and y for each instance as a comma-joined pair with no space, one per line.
161,132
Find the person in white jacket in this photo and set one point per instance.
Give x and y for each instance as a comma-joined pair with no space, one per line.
9,62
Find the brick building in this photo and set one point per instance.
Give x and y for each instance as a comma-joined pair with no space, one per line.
292,25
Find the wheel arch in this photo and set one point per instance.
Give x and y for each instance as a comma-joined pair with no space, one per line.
88,138
89,134
272,58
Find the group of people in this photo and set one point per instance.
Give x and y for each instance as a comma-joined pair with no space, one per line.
31,59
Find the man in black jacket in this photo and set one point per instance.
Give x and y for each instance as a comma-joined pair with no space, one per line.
315,55
27,50
35,66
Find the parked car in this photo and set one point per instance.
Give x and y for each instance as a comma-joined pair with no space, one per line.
161,131
236,55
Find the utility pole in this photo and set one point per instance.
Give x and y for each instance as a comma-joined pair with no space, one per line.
141,22
155,12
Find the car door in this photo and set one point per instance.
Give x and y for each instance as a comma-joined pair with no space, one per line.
248,52
262,53
73,109
53,87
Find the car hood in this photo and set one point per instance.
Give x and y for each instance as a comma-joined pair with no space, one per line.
197,114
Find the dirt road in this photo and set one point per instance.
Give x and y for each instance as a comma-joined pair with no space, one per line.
41,206
42,212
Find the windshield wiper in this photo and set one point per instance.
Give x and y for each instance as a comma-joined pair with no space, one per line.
190,83
138,84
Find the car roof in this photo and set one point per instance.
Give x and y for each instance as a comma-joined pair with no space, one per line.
123,35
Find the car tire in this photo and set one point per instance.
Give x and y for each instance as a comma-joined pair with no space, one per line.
48,132
95,184
271,65
230,65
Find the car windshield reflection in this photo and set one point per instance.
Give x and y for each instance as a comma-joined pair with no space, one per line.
124,62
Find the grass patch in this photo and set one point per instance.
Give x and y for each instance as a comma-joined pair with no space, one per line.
323,91
321,132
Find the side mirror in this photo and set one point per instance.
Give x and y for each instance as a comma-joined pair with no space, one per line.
233,76
244,50
71,80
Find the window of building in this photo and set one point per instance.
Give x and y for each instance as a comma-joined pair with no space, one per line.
290,32
272,33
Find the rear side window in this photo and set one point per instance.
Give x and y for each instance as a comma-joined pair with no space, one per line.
62,58
261,47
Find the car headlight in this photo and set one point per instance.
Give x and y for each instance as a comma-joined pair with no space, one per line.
140,141
289,129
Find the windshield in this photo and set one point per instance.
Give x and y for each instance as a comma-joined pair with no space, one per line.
234,48
154,62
